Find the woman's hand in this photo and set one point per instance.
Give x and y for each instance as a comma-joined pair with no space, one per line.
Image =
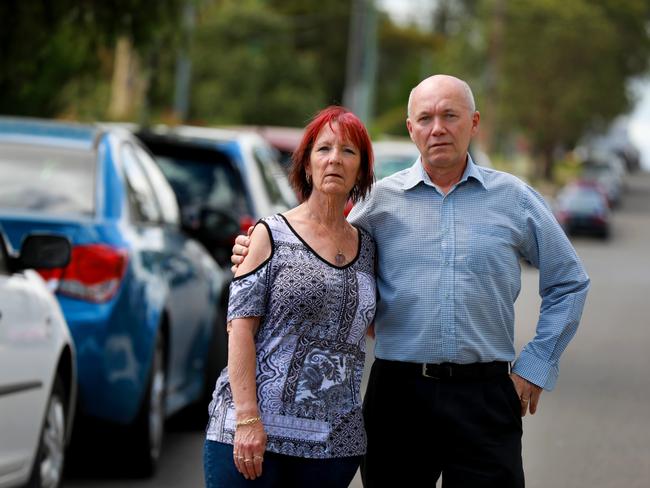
248,449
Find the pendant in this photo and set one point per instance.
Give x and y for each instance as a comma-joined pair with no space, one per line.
339,259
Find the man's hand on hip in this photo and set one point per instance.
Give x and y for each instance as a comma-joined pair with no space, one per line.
527,392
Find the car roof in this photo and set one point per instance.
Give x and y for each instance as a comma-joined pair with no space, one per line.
205,134
281,137
396,147
49,132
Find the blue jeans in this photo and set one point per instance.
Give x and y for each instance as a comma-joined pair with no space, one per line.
278,470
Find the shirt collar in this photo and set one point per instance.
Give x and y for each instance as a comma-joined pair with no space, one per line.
416,174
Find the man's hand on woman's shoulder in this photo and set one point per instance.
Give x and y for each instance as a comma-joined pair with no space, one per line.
240,249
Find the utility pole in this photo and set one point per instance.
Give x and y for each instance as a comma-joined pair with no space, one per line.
490,109
361,66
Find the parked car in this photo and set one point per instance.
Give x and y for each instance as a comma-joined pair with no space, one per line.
392,156
582,209
219,176
608,170
144,302
395,155
284,140
37,366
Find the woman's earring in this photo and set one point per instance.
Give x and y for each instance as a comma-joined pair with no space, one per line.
308,177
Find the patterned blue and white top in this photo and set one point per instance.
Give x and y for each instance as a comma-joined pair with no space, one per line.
310,347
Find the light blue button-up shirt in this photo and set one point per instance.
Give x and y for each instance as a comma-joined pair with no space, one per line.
449,273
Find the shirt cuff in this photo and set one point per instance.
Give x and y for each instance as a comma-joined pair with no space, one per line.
535,370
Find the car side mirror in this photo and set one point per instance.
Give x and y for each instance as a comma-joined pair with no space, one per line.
44,251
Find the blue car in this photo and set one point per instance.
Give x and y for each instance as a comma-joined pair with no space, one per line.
144,302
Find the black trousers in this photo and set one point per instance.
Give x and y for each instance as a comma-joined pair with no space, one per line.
469,431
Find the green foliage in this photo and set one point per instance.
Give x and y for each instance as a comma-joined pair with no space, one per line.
319,30
245,72
44,46
561,73
37,52
549,69
405,57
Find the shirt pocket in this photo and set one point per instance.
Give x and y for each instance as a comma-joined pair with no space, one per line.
490,250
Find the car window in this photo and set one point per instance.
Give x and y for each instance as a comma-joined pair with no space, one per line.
583,201
269,171
163,192
142,202
388,165
4,265
201,178
47,179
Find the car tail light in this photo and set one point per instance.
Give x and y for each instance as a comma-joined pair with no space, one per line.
245,221
94,273
598,219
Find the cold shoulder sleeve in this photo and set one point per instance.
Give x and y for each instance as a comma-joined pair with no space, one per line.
249,294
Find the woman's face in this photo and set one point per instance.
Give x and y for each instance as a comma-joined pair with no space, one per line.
334,163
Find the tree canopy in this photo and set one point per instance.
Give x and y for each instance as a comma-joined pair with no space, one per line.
546,70
550,69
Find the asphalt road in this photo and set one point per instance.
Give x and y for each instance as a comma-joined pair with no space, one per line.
592,431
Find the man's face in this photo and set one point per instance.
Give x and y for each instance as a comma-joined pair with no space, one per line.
441,123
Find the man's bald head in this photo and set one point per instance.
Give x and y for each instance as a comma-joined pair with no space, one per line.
435,81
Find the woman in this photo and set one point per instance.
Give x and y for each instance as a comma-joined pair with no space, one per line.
300,304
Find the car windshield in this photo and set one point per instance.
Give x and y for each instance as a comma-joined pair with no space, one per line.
386,165
271,173
47,179
583,201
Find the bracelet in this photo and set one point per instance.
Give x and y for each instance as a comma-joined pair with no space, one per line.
249,421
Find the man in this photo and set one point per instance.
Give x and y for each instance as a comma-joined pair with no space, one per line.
450,235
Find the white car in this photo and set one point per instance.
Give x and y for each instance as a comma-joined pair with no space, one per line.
393,155
37,366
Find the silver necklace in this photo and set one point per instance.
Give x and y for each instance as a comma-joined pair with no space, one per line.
340,258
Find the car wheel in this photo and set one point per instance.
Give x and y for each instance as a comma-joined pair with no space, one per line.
47,471
149,426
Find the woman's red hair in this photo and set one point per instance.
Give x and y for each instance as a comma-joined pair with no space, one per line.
353,130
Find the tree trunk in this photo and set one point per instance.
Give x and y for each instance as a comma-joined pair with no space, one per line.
129,85
547,164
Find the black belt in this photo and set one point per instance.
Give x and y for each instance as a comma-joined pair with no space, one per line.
448,371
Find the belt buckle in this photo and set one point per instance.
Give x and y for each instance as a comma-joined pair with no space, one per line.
444,368
427,375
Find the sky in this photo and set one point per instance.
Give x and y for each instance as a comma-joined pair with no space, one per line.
408,11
